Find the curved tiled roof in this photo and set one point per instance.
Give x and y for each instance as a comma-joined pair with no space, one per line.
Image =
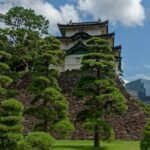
63,27
84,35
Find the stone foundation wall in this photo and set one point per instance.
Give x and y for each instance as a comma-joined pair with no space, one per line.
127,127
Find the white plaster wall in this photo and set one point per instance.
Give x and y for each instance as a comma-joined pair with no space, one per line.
66,46
95,31
71,32
72,62
90,31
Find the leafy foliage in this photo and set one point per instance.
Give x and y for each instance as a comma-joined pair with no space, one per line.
10,123
25,28
145,143
99,93
21,18
36,141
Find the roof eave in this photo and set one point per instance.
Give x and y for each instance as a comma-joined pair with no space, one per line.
82,24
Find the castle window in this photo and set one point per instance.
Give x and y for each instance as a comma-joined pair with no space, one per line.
78,60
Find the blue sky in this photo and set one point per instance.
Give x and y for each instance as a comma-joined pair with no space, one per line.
136,47
129,19
135,41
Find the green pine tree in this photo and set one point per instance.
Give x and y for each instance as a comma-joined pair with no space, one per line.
49,105
10,124
99,93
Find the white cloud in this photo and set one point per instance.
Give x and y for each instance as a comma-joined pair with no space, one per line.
126,12
126,81
147,66
139,76
54,15
69,13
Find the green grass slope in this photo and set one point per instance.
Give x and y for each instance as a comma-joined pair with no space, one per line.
88,145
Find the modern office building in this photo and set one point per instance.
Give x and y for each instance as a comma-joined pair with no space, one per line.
141,87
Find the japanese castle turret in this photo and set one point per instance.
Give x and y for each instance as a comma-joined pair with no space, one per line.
73,38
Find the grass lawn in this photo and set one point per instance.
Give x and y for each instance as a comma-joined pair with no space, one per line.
87,145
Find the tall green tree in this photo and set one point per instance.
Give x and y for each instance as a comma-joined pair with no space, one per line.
23,29
49,105
10,124
99,93
23,51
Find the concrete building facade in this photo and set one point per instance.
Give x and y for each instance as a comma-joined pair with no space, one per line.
141,87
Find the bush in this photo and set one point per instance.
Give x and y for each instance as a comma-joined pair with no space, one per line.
36,141
145,143
10,123
64,128
23,145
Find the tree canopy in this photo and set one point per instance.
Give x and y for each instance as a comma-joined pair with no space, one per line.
21,18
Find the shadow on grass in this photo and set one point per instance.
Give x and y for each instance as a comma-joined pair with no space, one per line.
80,147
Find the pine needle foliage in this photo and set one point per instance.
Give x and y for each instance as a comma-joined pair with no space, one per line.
48,104
99,93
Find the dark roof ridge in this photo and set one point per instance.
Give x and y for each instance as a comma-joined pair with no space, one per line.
81,43
88,35
82,23
78,44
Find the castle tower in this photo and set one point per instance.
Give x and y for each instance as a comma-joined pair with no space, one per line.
73,38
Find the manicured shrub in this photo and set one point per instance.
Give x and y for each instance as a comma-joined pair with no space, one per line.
64,128
36,141
145,143
10,124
